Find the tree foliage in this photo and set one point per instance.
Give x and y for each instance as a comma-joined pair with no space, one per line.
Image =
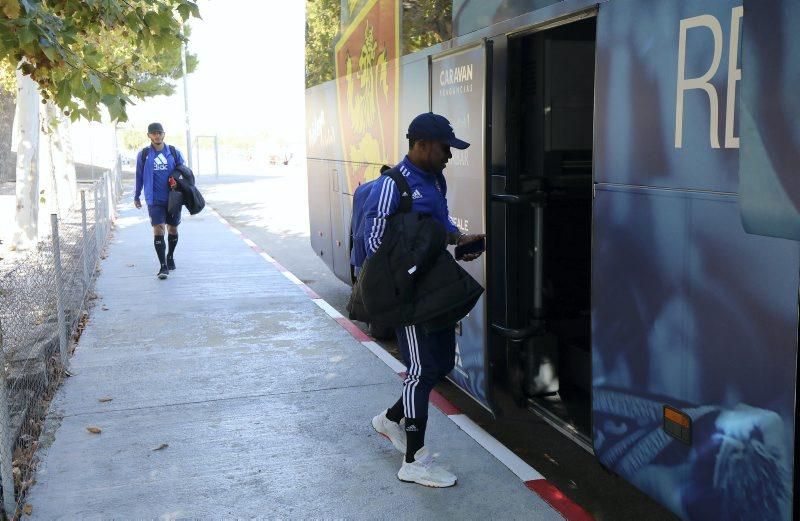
8,80
323,19
84,54
426,23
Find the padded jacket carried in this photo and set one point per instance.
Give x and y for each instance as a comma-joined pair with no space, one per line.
412,279
191,198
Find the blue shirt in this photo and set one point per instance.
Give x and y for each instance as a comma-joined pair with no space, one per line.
428,193
153,174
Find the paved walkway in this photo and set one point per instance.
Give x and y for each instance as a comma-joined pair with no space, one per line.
260,401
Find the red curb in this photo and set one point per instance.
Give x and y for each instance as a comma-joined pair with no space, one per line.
441,403
556,499
256,248
353,330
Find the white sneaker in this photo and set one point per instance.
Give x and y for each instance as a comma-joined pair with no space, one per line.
394,432
425,471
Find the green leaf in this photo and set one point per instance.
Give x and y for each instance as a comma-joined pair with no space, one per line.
115,108
133,21
26,35
76,82
63,94
95,81
151,19
50,52
184,10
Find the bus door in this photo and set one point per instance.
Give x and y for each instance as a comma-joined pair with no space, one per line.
547,196
458,87
769,187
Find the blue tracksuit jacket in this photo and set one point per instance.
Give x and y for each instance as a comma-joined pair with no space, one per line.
428,193
153,172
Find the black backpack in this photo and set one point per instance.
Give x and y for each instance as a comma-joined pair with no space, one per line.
405,191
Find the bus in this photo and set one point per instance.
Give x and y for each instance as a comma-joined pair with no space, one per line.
633,165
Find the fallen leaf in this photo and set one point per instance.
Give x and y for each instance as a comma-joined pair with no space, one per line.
105,399
131,265
94,430
162,446
28,509
104,308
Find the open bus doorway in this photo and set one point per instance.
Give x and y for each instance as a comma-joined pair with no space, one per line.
550,106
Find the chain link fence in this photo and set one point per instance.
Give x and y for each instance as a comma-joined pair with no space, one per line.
43,302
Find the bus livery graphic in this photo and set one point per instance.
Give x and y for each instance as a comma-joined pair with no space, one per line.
634,166
366,87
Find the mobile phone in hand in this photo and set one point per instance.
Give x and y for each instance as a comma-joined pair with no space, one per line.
478,246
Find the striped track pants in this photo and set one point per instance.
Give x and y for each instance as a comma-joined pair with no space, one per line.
428,359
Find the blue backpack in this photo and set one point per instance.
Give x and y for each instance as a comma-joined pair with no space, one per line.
358,253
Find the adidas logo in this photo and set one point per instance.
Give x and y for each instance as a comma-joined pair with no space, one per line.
416,195
160,162
411,428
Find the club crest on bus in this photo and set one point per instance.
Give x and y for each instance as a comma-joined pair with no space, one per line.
366,88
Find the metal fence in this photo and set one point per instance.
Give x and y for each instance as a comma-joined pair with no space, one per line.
43,302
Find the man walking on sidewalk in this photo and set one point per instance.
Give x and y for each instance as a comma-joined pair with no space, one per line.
428,357
153,167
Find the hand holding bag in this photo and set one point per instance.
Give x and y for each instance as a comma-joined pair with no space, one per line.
175,201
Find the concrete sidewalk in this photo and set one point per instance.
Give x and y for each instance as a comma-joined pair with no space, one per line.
263,400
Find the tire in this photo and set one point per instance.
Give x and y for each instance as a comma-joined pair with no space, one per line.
379,332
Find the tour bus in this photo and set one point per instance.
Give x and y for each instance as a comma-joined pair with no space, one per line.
635,166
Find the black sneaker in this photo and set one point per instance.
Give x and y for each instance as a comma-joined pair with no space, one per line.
163,273
170,263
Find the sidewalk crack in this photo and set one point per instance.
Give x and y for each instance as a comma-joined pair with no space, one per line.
197,402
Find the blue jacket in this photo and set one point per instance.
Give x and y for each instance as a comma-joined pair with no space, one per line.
152,174
428,193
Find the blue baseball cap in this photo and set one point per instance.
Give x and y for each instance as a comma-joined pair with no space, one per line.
433,127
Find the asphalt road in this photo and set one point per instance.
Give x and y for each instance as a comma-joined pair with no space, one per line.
272,210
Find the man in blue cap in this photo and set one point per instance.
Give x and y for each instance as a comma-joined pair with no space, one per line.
153,167
430,357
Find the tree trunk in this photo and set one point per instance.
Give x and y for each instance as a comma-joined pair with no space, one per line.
57,185
7,154
26,134
66,187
